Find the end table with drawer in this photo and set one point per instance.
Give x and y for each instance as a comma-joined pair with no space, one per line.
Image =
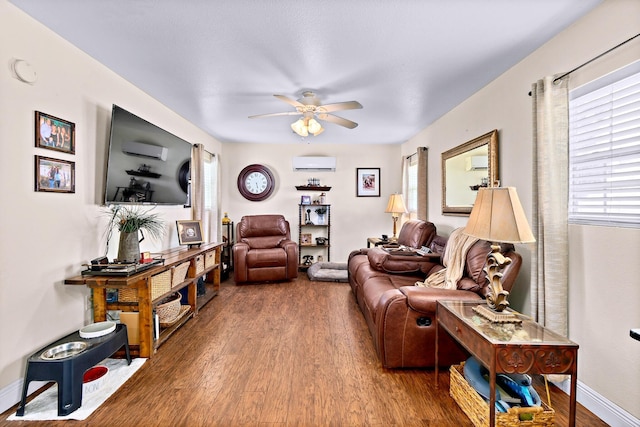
525,347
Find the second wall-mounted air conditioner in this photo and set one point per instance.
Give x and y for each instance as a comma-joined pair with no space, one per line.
145,150
314,163
476,163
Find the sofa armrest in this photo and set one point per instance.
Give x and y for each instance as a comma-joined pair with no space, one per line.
240,251
424,300
399,262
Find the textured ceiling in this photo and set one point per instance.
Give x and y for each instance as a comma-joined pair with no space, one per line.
217,62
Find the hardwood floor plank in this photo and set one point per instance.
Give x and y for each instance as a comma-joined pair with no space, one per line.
296,353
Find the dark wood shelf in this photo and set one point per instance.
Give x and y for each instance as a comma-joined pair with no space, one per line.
144,174
312,188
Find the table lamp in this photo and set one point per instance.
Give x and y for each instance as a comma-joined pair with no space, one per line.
497,216
396,207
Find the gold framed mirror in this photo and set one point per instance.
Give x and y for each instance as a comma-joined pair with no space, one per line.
466,168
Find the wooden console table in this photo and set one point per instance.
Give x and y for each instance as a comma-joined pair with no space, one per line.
145,303
507,348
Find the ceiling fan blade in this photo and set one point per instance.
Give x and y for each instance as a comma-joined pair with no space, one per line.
339,106
337,120
288,113
289,100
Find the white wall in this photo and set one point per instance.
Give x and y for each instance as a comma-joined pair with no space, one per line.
353,219
46,237
603,283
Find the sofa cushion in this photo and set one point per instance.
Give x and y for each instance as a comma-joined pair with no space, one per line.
416,233
263,242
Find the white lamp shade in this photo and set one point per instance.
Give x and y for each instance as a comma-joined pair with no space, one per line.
497,216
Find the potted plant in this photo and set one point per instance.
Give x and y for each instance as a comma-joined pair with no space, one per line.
129,220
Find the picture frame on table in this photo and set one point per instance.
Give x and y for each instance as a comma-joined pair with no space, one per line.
189,232
368,182
305,200
54,133
54,175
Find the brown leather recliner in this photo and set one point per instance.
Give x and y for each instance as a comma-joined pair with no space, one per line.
264,251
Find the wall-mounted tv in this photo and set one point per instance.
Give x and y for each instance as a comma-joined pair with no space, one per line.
146,164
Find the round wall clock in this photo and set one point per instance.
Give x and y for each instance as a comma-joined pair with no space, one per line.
256,182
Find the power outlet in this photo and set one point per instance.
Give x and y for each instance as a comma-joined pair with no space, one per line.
88,303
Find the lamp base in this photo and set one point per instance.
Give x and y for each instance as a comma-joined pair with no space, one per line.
495,317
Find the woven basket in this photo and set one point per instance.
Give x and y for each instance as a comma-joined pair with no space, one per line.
210,259
127,295
169,310
179,273
474,406
160,284
199,264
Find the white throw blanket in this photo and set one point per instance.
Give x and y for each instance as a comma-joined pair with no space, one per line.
454,258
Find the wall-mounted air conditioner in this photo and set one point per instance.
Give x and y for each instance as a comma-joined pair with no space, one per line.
476,163
311,163
145,150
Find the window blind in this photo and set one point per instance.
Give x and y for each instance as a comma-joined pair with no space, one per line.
604,153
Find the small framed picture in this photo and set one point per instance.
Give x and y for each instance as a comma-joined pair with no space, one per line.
189,232
305,239
368,182
54,175
305,200
54,133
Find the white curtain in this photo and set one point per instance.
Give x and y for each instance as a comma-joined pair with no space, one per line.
550,270
205,192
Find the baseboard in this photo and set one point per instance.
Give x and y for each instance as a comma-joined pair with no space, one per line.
604,409
11,394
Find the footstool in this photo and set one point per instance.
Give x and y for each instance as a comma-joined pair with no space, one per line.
328,272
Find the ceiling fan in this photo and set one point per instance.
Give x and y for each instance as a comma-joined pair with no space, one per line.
311,110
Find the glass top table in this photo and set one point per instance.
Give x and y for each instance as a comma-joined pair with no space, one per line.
522,347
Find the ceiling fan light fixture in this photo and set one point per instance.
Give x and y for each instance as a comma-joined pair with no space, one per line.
299,127
314,127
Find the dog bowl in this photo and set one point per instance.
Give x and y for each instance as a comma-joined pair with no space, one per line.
94,378
96,330
63,351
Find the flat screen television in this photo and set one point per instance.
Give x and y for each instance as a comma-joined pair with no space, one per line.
145,164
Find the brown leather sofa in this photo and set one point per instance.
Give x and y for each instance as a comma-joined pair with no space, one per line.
401,316
264,251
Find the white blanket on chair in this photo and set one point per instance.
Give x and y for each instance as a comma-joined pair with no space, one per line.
455,255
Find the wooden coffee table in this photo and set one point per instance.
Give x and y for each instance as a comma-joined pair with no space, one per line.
509,348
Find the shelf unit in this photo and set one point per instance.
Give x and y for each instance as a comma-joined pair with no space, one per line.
228,240
203,262
310,224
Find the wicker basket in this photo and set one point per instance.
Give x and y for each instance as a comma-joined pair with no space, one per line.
474,406
127,295
169,310
210,259
160,284
199,264
179,273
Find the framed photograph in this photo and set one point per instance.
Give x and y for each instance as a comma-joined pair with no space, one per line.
54,133
368,182
54,175
189,232
305,200
305,239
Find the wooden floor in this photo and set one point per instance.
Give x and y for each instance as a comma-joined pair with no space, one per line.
290,354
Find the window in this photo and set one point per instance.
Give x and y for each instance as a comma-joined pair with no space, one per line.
410,189
604,150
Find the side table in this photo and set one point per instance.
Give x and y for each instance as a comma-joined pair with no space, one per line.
376,241
508,348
